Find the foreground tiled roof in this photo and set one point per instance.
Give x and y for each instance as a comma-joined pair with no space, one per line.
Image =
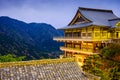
60,70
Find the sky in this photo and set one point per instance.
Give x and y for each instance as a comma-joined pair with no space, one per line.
58,13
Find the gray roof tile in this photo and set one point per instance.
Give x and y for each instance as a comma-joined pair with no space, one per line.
99,17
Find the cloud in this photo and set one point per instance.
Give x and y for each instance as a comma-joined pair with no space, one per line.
56,12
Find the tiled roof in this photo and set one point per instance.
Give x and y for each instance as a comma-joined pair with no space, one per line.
51,71
114,19
78,25
99,17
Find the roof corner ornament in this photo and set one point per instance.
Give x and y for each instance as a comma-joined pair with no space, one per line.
117,24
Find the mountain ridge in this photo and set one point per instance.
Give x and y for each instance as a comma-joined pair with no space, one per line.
33,40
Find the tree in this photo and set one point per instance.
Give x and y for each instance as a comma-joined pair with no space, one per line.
111,51
11,58
105,65
92,63
114,73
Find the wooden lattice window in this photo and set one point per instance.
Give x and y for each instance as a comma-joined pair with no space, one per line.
84,34
89,34
104,33
97,34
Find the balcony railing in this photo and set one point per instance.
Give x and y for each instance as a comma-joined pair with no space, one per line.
80,39
83,51
72,38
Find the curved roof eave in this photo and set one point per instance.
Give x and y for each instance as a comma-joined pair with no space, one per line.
81,26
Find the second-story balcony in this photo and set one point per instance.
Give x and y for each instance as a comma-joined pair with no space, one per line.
62,39
77,39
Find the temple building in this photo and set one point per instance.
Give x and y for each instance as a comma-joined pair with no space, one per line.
89,31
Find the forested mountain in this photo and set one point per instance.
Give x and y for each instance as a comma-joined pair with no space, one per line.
33,40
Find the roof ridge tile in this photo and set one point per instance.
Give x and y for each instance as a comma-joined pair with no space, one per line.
93,9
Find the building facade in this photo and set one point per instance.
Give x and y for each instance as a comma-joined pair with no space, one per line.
89,31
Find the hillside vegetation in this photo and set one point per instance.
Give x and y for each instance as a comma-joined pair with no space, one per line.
33,40
105,65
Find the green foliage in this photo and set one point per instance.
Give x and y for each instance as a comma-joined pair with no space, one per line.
111,51
11,58
96,71
114,73
92,63
110,68
107,52
34,40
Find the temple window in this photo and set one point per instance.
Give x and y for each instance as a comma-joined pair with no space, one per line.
69,45
77,34
84,34
104,33
68,34
97,34
89,34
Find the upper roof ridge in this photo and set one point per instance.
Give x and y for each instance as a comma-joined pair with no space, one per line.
93,9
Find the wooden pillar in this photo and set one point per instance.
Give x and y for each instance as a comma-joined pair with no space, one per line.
72,34
93,47
65,44
81,45
106,44
87,46
73,46
98,44
72,54
65,54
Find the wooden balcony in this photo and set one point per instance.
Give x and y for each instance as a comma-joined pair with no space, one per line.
62,39
82,51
